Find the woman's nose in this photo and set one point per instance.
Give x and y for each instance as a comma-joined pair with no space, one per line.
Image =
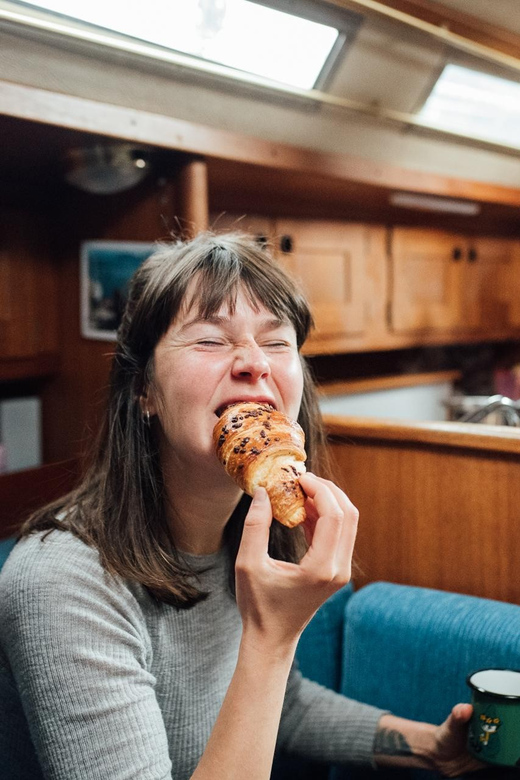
250,362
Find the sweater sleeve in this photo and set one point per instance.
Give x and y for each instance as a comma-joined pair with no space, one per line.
77,646
321,724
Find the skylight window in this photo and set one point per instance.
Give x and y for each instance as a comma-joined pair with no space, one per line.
237,33
476,105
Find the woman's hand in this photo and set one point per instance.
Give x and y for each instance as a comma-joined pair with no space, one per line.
277,599
451,756
407,743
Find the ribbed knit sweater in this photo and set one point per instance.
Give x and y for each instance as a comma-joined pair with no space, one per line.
100,682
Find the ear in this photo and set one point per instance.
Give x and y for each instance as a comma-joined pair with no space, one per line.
147,401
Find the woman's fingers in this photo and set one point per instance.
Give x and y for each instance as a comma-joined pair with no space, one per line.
255,536
335,530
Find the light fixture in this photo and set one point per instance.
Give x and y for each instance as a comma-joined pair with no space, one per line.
106,170
412,200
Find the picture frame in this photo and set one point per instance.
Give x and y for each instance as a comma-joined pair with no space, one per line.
105,270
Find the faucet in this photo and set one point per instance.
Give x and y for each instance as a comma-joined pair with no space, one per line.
508,409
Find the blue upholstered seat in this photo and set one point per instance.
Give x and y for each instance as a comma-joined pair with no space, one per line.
6,545
410,649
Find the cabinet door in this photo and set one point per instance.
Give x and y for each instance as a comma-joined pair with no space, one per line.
28,288
262,228
513,285
427,267
487,288
329,260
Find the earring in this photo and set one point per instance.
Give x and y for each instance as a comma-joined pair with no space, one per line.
146,417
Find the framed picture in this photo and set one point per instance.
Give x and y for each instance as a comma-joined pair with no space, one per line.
106,268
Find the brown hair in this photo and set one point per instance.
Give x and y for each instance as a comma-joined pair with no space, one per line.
118,506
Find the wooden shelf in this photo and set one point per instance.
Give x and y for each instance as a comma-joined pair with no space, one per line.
45,365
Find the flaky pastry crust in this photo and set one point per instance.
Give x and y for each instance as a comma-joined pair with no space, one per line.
261,447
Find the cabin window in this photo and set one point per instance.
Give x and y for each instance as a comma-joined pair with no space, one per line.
293,48
475,104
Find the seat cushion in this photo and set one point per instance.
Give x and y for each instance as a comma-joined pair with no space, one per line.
320,647
410,649
6,545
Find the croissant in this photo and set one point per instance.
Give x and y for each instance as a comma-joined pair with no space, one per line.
261,447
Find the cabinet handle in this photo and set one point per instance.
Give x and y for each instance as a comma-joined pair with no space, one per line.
472,254
286,244
457,253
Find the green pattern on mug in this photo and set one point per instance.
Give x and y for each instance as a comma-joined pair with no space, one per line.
486,737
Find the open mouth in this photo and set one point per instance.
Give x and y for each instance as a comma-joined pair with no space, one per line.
221,409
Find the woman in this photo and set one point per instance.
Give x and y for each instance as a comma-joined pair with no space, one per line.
149,620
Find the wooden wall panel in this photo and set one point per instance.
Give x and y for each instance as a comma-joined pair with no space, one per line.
73,402
434,516
25,491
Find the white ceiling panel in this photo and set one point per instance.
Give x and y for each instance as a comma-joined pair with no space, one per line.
389,71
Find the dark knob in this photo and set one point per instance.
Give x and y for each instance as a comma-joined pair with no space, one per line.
472,254
457,253
286,244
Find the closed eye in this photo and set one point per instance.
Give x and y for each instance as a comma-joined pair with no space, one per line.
277,344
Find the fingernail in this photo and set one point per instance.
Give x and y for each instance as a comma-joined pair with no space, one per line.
260,496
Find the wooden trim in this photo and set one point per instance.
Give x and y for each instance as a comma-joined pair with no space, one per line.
464,24
390,341
374,384
470,436
143,127
193,197
29,368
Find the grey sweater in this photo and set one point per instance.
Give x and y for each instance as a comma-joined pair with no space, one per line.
100,682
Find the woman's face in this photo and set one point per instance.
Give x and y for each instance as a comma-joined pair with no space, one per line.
201,365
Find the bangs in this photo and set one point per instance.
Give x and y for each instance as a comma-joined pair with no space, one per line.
223,274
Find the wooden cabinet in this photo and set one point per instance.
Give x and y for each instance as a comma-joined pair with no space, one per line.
513,284
426,280
341,268
28,289
489,286
444,281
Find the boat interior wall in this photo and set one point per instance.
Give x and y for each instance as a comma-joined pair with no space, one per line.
388,67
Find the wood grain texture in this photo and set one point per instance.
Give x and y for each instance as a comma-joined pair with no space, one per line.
192,181
432,514
90,116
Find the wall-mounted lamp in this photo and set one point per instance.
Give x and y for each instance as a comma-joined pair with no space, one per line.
412,200
105,170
